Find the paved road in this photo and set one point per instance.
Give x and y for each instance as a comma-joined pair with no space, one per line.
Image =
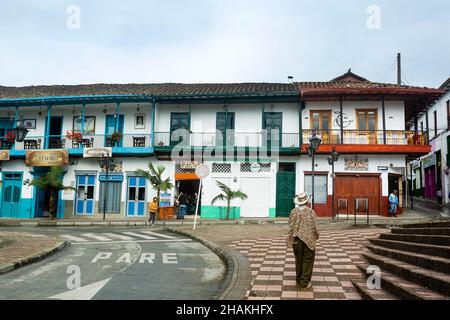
139,263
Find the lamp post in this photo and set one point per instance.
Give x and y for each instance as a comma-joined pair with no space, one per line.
315,142
331,160
107,163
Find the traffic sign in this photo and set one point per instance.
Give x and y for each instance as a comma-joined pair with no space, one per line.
202,171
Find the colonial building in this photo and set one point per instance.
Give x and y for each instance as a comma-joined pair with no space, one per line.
431,171
252,136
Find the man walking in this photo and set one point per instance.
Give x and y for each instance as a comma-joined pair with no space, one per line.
393,203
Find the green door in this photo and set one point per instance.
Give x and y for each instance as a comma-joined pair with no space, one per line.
285,193
12,190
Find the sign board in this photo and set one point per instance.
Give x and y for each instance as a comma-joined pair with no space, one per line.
164,199
188,165
97,152
415,164
4,155
356,164
429,161
202,171
111,178
383,168
46,158
255,167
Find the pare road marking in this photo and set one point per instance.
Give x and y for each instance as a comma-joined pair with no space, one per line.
165,258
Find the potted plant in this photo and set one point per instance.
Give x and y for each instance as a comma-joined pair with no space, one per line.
10,137
116,136
73,135
227,195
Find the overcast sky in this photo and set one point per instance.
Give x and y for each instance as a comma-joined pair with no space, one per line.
143,41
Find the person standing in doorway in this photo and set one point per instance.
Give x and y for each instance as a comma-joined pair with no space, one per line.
182,203
393,203
153,210
302,237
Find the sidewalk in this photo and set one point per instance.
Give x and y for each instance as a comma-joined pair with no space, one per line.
20,248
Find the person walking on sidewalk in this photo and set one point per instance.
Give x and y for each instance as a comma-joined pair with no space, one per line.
393,203
153,210
302,236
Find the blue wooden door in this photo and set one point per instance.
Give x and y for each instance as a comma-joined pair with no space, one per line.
136,196
111,127
85,195
12,190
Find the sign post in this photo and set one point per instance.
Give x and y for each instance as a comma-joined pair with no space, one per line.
202,171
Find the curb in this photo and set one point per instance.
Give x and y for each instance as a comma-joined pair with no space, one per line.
34,258
227,289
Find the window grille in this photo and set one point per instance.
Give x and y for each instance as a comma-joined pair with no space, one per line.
221,168
179,169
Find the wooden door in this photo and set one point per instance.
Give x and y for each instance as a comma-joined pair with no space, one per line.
351,187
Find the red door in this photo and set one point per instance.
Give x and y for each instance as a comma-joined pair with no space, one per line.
430,183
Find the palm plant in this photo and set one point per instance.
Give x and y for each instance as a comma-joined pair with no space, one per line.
52,182
228,195
154,175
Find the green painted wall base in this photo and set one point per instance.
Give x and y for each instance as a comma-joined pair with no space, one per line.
212,212
272,213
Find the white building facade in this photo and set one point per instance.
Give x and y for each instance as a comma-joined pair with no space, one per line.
253,137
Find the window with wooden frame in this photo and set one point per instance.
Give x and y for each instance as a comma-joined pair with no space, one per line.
366,119
320,120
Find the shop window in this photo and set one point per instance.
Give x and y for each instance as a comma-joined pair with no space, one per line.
320,187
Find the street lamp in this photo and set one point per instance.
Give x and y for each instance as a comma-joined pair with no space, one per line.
106,162
20,132
314,144
331,160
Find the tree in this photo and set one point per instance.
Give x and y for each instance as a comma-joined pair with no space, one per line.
228,195
154,175
52,181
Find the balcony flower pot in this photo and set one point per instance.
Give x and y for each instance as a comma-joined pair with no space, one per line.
116,137
74,136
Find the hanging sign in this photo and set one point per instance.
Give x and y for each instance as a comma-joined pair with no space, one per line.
97,152
47,158
429,161
4,155
111,178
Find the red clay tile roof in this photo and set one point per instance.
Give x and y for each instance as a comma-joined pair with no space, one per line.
163,89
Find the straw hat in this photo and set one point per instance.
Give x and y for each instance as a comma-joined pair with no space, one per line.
301,199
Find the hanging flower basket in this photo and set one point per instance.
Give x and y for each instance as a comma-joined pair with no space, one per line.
10,136
116,136
75,136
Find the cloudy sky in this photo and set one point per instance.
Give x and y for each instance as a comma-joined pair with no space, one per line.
140,41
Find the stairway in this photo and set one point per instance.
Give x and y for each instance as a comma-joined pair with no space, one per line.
414,261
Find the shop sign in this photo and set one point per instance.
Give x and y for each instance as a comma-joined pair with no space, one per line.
111,178
47,158
429,161
189,165
383,168
415,164
255,167
97,152
356,164
4,155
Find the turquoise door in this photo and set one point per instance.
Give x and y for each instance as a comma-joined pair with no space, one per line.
12,190
85,195
111,127
136,196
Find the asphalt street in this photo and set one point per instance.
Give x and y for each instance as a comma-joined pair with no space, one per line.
126,263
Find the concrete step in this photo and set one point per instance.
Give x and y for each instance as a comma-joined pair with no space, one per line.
404,289
415,238
421,260
439,251
438,224
426,231
436,281
372,294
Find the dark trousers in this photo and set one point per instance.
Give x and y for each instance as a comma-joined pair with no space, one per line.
304,262
152,217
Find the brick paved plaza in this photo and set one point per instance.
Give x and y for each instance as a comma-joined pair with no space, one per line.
272,263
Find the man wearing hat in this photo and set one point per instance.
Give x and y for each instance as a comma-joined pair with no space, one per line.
302,236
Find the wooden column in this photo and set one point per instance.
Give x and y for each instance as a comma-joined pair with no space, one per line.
341,113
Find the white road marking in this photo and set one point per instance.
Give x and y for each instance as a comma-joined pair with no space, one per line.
118,236
158,235
136,241
138,235
95,236
73,238
83,293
